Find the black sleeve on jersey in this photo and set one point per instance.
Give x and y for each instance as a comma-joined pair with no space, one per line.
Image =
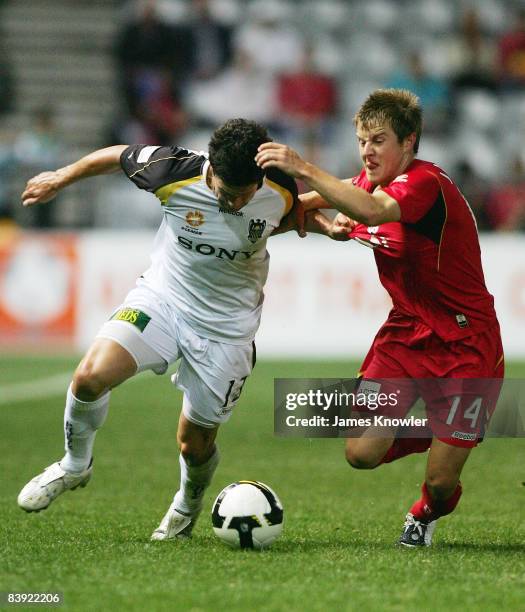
278,176
164,166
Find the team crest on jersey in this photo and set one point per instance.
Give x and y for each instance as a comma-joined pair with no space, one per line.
194,218
256,229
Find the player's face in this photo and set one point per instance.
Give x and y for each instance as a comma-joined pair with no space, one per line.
384,157
232,198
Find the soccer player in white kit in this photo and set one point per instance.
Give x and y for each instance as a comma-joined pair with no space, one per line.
200,301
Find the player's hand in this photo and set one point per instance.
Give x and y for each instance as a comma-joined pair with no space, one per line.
294,220
273,154
41,188
341,227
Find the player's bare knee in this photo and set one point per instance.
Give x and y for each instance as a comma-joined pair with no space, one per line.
195,453
195,447
88,383
188,451
360,460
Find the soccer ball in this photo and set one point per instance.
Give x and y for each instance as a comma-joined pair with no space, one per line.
247,514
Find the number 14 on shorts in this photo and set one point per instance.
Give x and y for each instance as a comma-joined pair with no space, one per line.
470,413
467,418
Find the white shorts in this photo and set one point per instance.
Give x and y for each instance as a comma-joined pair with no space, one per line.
211,374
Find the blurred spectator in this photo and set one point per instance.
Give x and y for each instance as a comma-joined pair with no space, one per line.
472,55
6,166
273,45
37,149
6,172
307,101
39,145
475,189
6,84
146,49
432,91
158,117
239,91
211,42
154,61
506,201
512,54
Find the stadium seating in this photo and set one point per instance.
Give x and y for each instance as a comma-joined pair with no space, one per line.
61,55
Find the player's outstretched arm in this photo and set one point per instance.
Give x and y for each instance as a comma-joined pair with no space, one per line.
313,201
338,228
45,186
315,222
370,209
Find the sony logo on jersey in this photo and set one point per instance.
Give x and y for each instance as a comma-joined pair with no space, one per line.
208,249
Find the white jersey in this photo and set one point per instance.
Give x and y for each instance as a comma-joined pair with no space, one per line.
209,263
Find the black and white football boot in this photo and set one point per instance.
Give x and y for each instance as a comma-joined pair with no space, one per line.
416,533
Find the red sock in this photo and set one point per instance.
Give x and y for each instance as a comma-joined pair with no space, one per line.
406,446
429,509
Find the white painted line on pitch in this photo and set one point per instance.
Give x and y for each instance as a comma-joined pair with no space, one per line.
34,389
40,389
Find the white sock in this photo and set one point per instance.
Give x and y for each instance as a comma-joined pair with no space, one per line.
81,421
194,480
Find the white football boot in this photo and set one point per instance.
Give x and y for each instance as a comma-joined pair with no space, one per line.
175,524
47,486
416,533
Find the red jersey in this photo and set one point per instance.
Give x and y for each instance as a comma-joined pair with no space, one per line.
430,261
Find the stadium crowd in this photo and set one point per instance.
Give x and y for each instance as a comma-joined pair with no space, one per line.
302,69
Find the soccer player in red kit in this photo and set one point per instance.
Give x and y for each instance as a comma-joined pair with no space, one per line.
442,327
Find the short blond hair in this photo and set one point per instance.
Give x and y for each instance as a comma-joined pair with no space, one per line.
399,108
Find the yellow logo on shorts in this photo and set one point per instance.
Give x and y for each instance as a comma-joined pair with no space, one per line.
136,317
127,315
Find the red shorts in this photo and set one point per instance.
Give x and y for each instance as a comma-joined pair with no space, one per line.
459,381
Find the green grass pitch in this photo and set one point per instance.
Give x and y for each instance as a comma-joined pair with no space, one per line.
337,551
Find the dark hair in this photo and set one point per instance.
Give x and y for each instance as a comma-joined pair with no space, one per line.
232,150
399,108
